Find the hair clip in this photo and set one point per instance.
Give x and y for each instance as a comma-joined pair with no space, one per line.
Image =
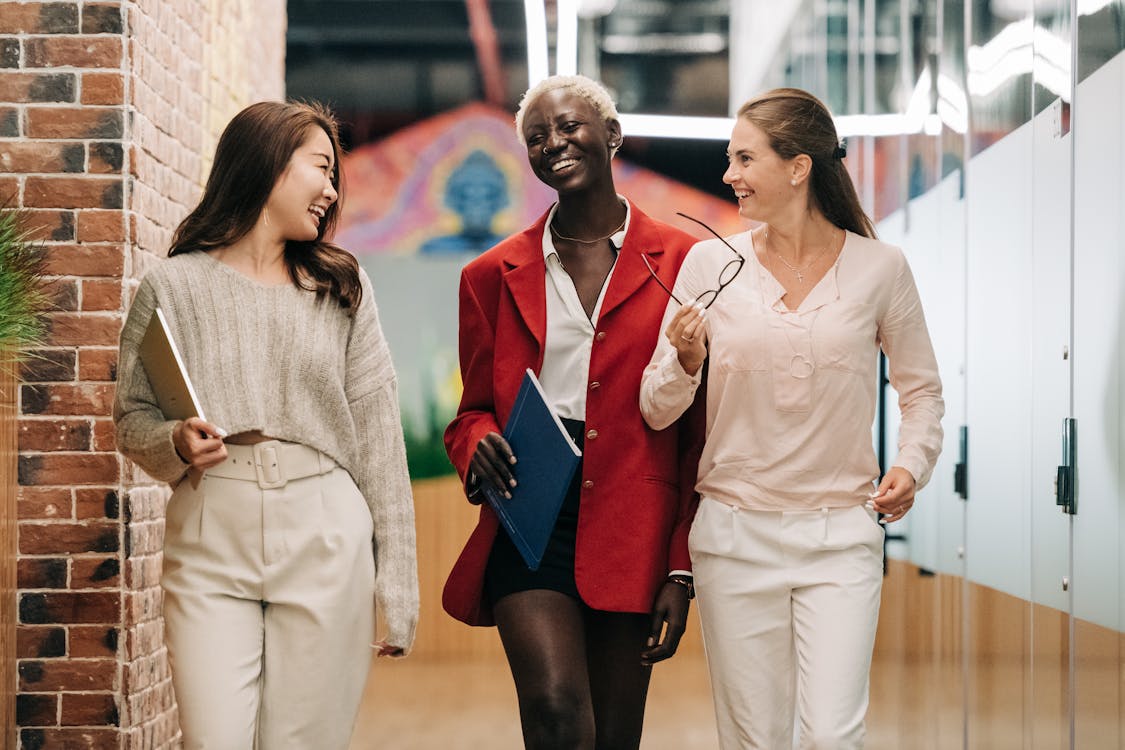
840,151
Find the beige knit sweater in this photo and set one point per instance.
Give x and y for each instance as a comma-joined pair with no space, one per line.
272,358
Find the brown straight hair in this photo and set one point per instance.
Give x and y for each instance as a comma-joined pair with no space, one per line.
253,152
796,122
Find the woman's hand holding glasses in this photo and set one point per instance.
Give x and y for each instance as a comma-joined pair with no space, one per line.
688,334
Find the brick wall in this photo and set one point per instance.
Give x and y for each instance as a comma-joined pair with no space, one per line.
108,114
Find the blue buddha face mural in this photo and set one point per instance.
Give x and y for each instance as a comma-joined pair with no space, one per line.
476,191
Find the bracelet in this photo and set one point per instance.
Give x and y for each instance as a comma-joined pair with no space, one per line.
686,581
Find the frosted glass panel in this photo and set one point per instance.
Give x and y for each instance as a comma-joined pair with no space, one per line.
998,385
1098,347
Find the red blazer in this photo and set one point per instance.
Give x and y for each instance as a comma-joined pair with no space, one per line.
638,496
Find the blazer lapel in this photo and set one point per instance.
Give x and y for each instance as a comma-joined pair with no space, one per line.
630,273
525,277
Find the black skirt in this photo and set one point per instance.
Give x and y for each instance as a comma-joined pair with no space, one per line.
507,573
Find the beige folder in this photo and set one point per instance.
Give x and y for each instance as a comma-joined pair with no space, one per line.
166,372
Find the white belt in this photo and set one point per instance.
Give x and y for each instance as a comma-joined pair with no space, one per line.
272,463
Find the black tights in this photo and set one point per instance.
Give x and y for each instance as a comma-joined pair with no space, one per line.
577,671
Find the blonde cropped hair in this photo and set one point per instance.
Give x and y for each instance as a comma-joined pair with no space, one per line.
587,88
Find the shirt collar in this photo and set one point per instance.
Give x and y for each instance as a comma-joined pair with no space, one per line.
617,239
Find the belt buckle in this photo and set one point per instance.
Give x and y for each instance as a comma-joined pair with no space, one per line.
266,465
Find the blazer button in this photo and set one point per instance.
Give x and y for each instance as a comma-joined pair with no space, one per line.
588,484
595,385
600,336
591,434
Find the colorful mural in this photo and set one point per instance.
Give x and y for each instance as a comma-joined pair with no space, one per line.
426,200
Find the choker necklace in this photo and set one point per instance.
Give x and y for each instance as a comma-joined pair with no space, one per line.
799,272
562,236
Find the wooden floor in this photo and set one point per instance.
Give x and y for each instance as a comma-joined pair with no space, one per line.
468,705
471,705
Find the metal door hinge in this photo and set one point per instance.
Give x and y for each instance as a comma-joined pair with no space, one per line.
961,469
1066,479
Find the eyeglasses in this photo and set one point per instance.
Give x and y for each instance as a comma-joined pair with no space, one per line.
726,276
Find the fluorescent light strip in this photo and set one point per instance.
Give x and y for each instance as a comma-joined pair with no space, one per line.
566,37
536,15
674,126
718,128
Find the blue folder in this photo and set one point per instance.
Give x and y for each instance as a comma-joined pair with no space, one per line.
546,458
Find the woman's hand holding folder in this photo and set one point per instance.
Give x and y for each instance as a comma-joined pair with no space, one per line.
491,463
199,443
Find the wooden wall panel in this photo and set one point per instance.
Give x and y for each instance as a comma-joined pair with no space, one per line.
1099,694
8,520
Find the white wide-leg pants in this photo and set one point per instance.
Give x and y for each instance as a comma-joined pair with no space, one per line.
269,607
789,602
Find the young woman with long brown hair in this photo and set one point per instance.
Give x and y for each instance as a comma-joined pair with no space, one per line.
280,537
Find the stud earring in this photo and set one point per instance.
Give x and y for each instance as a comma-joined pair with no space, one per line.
793,183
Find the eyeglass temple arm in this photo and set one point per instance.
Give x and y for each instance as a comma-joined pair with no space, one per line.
712,231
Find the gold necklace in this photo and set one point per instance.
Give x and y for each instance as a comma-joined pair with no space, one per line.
562,236
798,272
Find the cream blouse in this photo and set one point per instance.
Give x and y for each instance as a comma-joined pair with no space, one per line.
791,394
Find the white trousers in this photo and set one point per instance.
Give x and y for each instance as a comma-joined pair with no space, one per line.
788,602
269,609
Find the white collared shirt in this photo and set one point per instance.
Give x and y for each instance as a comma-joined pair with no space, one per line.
570,334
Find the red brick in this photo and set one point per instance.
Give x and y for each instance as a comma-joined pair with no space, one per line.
49,224
9,189
42,572
62,294
68,399
92,641
75,122
44,503
95,572
143,572
39,18
82,329
97,503
101,295
105,436
106,157
97,364
37,710
54,435
48,365
69,468
66,607
72,192
103,88
40,642
101,18
9,52
71,739
101,226
23,87
89,709
67,538
84,260
68,675
42,156
85,51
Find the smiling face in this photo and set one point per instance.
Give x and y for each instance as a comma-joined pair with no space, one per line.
568,142
305,191
760,178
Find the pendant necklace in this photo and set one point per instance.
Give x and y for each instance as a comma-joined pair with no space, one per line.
799,272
